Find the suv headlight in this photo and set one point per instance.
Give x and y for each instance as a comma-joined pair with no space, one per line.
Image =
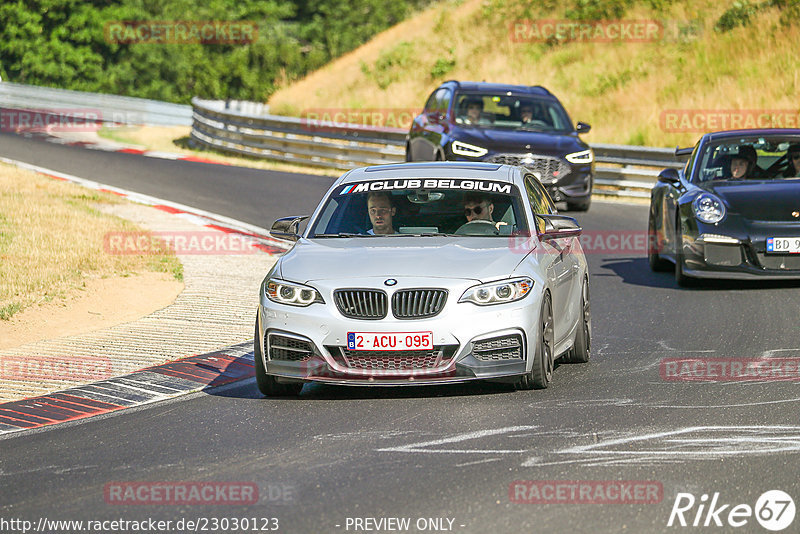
708,208
284,292
581,158
498,292
465,149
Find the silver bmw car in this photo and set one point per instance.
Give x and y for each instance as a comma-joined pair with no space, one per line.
425,273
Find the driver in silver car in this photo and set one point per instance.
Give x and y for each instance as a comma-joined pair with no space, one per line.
479,207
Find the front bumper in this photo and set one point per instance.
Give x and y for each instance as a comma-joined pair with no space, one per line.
740,257
563,180
463,337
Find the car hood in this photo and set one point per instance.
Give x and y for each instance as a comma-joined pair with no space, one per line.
767,200
515,141
471,258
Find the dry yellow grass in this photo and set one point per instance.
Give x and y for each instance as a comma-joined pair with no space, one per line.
622,89
51,240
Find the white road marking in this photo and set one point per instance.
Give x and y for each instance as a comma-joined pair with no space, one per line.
418,447
673,446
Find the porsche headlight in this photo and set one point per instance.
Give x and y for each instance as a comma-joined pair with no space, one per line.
465,149
498,292
708,208
581,158
284,292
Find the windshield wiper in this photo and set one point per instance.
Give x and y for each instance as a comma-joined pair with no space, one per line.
342,234
424,234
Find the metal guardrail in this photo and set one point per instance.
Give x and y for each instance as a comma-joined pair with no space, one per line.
621,170
107,108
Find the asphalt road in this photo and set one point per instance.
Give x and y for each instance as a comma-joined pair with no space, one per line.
445,453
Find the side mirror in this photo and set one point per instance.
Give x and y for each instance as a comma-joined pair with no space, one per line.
556,226
582,127
286,227
669,176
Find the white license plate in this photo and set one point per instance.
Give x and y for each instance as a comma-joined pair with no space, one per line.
783,245
390,340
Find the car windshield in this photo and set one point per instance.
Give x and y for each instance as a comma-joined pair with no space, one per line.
421,207
510,112
750,158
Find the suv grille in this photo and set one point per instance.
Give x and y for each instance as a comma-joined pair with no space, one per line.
548,168
288,348
418,303
498,348
361,303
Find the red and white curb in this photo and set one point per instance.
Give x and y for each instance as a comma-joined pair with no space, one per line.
46,135
146,386
151,384
260,236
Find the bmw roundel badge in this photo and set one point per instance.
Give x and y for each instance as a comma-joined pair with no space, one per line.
390,282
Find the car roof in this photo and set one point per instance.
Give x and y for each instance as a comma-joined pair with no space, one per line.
537,90
753,132
434,169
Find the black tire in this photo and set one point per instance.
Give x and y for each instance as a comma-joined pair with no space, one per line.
583,337
543,361
580,206
680,276
657,263
267,384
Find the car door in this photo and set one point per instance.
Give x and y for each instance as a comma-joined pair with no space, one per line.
419,146
561,265
436,125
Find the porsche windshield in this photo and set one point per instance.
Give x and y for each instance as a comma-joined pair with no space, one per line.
510,112
750,158
405,207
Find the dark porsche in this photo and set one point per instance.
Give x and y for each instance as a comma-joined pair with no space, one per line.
733,211
511,124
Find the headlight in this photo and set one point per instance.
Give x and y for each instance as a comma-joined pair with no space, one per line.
290,293
465,149
708,208
581,158
498,292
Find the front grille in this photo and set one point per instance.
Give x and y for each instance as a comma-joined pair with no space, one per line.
779,263
361,303
498,348
548,168
393,360
418,303
288,348
397,361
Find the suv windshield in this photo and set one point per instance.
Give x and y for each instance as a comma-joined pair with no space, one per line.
400,207
510,112
750,158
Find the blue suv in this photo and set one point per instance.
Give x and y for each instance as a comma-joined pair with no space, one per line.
513,124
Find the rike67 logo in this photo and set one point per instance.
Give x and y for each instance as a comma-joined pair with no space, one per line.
774,510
